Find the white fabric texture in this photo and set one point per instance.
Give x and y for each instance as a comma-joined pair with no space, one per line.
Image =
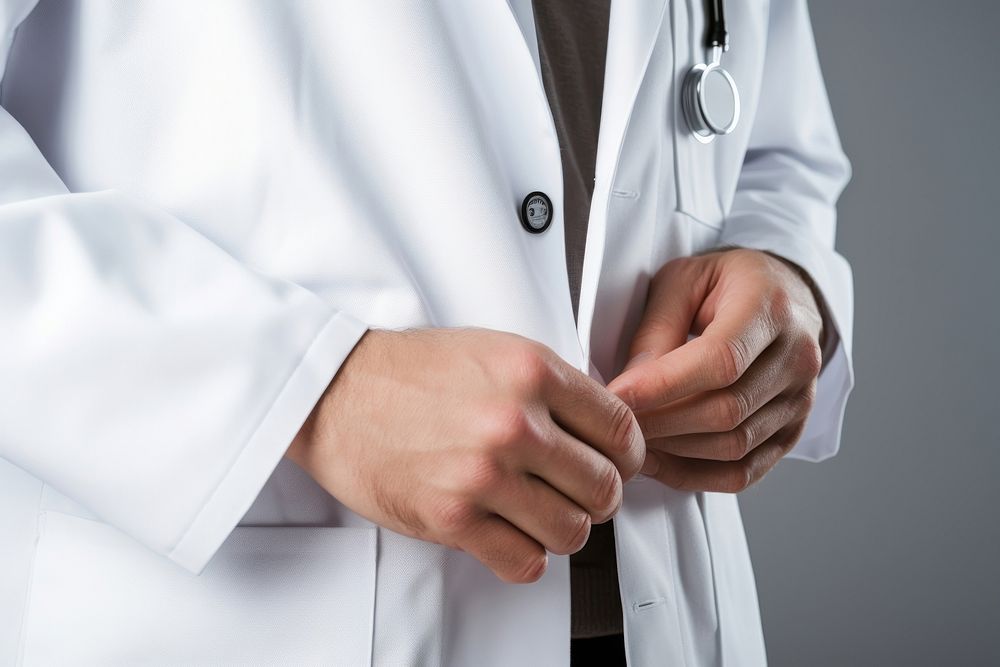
204,206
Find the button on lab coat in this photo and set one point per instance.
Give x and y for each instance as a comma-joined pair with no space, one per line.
203,206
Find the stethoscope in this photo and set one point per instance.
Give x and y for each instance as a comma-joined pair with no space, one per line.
709,96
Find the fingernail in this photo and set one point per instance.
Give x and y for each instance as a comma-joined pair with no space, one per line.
638,359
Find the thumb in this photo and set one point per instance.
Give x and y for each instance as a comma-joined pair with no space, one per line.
675,296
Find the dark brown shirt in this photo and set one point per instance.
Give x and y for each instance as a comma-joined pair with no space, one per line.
572,44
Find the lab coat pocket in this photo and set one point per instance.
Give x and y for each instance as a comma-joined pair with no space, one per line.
681,235
697,182
270,595
696,179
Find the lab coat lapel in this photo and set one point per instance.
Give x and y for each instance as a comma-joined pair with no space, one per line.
525,17
634,27
633,30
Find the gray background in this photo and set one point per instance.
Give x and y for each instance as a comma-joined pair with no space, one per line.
888,554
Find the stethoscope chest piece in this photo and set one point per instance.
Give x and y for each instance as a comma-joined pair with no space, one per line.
711,101
709,97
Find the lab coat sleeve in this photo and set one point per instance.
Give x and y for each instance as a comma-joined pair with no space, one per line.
792,175
145,373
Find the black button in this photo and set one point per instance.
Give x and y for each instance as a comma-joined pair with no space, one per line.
536,212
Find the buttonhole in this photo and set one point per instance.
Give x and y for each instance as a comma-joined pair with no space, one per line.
647,604
625,194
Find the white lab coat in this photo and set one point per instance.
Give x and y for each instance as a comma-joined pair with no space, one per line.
203,205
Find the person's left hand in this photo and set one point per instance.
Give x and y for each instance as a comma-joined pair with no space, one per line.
720,410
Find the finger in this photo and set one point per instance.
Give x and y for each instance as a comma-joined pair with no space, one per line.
511,554
715,359
734,444
577,471
674,297
542,513
583,407
690,474
723,409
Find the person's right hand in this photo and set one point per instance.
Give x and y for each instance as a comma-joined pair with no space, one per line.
476,439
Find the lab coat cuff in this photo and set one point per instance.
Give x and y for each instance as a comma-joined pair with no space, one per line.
269,442
820,439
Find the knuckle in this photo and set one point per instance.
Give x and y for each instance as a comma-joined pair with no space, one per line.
736,480
731,358
575,535
607,495
530,365
779,306
734,408
810,357
483,476
530,568
672,477
740,441
621,424
508,426
455,516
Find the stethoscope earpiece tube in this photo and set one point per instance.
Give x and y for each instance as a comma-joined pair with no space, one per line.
709,98
717,35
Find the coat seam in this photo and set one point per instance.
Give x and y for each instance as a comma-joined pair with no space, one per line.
677,587
22,630
702,501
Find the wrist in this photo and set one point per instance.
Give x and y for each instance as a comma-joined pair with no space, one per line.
315,428
317,435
